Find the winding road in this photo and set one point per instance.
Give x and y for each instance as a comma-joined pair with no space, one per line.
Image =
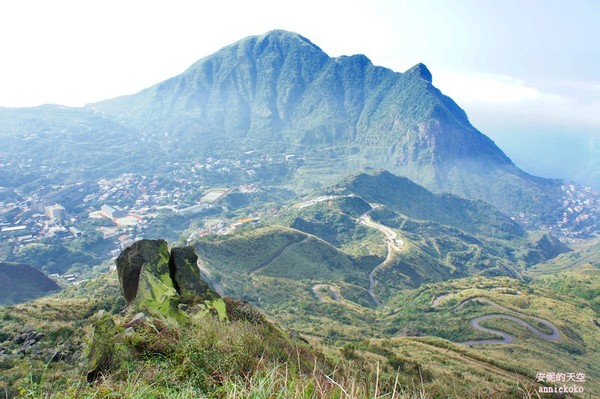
505,338
394,244
508,338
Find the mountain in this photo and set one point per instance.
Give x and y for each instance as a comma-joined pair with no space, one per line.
20,283
281,93
305,118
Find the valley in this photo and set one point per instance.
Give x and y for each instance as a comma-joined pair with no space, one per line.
349,213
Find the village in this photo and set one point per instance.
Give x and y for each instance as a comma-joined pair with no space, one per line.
580,206
122,209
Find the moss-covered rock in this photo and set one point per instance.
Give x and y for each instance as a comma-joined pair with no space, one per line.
102,347
164,284
149,255
185,274
157,298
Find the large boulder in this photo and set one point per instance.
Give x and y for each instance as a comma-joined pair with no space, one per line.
186,274
156,281
149,255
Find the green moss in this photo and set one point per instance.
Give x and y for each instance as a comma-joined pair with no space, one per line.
157,298
100,358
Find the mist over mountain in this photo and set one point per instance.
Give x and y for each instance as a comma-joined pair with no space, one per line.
282,93
570,153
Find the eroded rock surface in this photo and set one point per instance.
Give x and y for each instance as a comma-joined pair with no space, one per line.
149,255
185,274
156,281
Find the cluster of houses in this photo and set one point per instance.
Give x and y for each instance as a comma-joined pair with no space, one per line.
581,206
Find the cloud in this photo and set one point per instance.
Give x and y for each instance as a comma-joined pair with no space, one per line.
488,88
502,100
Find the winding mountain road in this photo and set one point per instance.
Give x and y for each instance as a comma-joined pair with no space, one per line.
508,338
505,338
394,244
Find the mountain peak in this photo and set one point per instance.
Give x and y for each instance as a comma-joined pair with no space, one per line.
282,37
280,92
421,71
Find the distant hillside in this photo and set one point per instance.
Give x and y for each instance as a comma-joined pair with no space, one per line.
20,283
277,251
430,251
403,196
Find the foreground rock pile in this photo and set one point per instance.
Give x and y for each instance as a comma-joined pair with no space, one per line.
157,285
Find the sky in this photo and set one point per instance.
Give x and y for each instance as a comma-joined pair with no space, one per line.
518,67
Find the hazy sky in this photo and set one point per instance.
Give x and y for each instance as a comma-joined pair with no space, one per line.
511,64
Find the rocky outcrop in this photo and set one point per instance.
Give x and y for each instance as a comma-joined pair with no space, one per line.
183,266
27,338
158,281
149,255
159,286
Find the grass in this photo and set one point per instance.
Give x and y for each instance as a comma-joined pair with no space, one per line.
360,351
240,359
216,359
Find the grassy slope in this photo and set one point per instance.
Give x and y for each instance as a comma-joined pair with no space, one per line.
408,198
433,252
287,296
369,340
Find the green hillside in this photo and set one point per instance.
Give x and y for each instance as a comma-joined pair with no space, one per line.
369,242
21,283
402,195
281,94
415,345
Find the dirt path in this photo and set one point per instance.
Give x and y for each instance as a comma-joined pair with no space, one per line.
394,244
